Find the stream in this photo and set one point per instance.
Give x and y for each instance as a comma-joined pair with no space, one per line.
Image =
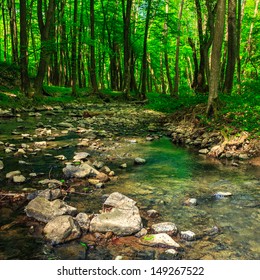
169,177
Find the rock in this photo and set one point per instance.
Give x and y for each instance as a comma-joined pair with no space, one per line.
1,165
159,240
65,124
20,152
83,220
41,144
166,227
141,233
62,229
60,157
11,174
188,235
139,160
119,215
190,202
243,156
80,156
102,177
170,254
203,151
123,166
19,179
81,171
50,182
51,194
99,165
219,195
43,210
152,213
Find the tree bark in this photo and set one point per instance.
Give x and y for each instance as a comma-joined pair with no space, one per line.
216,58
25,82
177,74
46,45
13,29
74,50
144,60
93,76
127,53
232,46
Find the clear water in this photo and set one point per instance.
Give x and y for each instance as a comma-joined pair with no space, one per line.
170,176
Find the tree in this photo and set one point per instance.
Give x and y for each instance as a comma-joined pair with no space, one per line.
144,59
46,45
127,53
93,76
25,82
74,50
216,58
232,46
176,77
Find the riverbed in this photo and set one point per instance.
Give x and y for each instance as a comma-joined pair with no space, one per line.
171,175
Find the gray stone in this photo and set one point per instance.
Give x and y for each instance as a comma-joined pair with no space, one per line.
81,171
62,229
141,233
166,227
51,194
222,194
243,156
19,179
159,240
119,215
188,235
190,202
11,174
139,160
81,156
43,210
204,151
50,182
83,220
40,144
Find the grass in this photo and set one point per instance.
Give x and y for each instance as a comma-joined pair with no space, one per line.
237,112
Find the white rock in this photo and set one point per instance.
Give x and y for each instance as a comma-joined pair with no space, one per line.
160,239
19,179
11,174
188,235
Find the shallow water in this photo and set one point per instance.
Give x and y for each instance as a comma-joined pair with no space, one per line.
170,176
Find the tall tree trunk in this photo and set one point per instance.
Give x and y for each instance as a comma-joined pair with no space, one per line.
176,77
5,32
46,46
25,82
232,46
144,60
127,52
166,59
239,22
216,58
93,76
74,50
162,75
13,29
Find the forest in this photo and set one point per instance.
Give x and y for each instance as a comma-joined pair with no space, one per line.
146,109
162,46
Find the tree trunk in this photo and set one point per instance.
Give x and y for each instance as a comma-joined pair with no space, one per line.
176,77
5,32
74,50
127,53
232,46
216,58
13,30
93,76
144,60
239,22
46,46
25,82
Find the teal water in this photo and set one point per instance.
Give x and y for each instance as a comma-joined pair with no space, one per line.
170,176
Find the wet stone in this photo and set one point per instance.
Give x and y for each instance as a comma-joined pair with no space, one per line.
166,227
188,235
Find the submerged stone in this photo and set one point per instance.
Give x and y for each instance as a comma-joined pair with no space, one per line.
160,240
166,227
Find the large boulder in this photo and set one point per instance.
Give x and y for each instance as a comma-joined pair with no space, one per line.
43,210
119,215
81,171
62,229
